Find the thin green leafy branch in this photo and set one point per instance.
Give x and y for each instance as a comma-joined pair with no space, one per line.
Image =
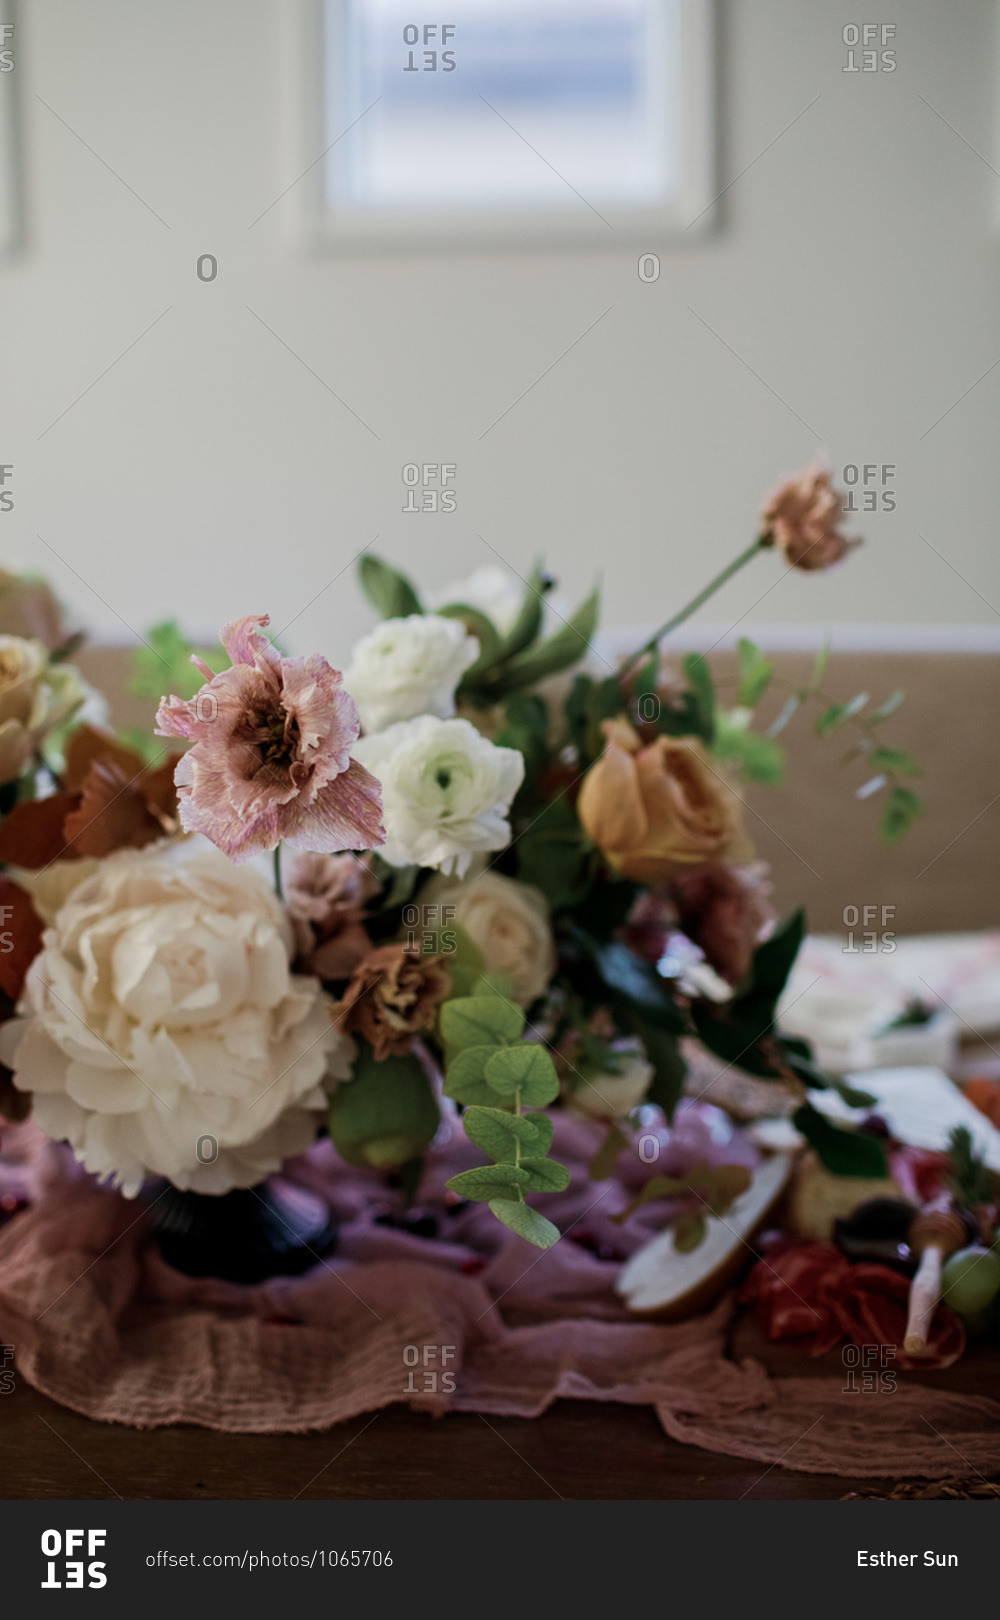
495,1075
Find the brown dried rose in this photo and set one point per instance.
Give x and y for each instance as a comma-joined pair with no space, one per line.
393,995
801,519
325,897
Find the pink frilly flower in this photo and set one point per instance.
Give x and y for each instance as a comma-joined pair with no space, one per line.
271,755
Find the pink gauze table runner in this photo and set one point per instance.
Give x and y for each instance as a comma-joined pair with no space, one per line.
102,1325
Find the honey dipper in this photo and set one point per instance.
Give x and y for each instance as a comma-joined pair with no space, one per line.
936,1232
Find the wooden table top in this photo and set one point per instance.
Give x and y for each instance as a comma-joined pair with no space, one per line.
579,1450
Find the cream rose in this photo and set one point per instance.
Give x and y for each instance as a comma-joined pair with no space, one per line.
509,921
162,1031
405,667
35,697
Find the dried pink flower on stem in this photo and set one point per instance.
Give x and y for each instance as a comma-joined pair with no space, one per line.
271,753
802,519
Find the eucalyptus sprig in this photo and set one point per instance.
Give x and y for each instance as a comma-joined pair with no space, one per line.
496,1075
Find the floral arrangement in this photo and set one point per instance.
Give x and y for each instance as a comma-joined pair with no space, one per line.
481,870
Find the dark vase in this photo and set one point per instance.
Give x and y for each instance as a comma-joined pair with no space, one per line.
243,1236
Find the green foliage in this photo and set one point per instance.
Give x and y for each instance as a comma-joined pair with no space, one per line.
604,972
386,1115
757,757
893,759
737,1030
523,1073
837,713
663,1050
630,980
465,1080
490,1181
842,1152
525,1221
164,664
553,855
465,963
528,623
567,646
902,808
971,1181
389,592
477,624
486,1020
700,678
494,1076
501,1134
526,728
755,673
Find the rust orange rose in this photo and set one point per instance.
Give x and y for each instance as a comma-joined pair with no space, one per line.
802,520
658,810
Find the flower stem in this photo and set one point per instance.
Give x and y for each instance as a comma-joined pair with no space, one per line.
695,603
277,871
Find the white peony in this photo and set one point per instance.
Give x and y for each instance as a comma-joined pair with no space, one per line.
446,791
162,1031
406,667
493,590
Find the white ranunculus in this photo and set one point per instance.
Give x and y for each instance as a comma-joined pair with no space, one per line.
493,590
162,1016
406,667
446,791
613,1096
509,922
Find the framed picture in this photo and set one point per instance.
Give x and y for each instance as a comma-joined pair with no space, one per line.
517,121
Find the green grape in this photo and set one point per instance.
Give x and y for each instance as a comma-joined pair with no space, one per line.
970,1279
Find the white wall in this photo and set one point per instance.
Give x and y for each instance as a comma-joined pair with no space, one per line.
209,474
